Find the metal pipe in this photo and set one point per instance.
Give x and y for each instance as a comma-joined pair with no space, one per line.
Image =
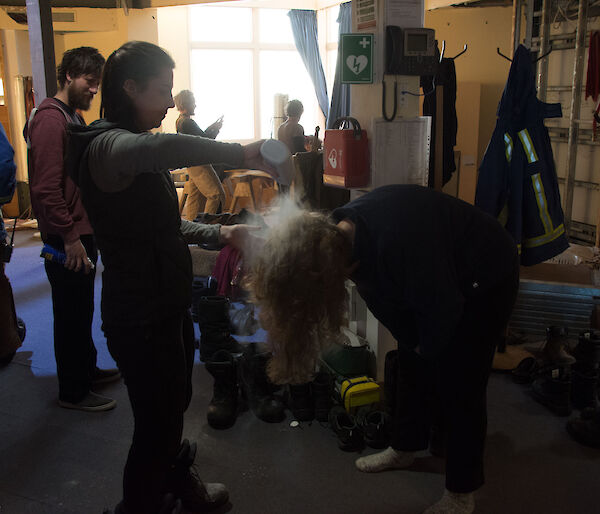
529,26
575,109
542,68
516,27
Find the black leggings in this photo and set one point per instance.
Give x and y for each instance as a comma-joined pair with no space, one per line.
450,391
156,362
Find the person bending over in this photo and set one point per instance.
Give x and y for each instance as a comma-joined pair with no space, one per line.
123,173
440,274
204,183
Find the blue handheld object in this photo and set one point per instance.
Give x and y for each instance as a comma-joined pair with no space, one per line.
52,254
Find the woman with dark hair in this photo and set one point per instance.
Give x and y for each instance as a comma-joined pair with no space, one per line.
440,274
123,172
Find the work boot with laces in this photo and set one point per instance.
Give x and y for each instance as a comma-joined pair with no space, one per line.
222,410
183,482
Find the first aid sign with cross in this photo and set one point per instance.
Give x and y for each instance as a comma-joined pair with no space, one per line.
356,58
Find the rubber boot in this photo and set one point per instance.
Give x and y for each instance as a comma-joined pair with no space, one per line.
553,389
553,353
215,329
223,407
587,352
322,392
201,286
300,401
586,429
584,389
256,388
183,482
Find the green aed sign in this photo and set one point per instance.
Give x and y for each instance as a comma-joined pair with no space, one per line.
357,58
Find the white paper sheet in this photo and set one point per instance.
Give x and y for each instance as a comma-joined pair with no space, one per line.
405,13
400,151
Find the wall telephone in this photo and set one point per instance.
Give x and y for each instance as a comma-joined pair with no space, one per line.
410,51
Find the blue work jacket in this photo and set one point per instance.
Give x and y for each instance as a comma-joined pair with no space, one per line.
517,178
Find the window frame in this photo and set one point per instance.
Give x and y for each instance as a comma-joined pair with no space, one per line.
255,46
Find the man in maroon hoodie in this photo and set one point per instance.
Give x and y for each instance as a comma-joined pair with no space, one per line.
65,226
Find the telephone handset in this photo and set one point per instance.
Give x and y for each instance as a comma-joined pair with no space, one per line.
410,51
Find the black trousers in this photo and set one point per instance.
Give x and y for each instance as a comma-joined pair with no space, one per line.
73,309
450,391
156,362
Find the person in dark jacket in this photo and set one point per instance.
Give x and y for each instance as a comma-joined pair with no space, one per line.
122,170
64,225
517,181
438,273
204,184
9,332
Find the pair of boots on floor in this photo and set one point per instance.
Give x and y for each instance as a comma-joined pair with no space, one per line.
184,489
235,369
244,375
566,380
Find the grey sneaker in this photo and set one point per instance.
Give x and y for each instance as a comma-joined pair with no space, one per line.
92,402
104,376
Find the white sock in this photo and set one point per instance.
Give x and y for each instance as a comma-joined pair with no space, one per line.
387,459
453,503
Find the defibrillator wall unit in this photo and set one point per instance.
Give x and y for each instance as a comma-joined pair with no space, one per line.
410,51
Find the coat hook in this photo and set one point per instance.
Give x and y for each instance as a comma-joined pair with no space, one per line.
502,55
459,54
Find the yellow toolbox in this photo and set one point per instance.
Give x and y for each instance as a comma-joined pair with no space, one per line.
359,391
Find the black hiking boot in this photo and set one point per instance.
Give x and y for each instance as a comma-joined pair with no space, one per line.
223,407
256,388
215,327
586,429
322,392
300,401
584,389
553,389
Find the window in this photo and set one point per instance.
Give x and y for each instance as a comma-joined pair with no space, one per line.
220,91
333,31
207,24
240,59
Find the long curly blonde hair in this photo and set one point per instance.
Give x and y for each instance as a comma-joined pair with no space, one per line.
298,281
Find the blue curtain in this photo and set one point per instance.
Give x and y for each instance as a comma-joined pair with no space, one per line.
340,95
304,27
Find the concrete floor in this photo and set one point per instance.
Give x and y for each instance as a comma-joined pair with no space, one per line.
57,461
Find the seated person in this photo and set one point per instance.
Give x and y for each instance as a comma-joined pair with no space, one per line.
204,183
291,132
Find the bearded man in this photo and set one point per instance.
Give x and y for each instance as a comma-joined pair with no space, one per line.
65,226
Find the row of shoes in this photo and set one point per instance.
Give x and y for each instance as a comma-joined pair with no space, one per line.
369,427
241,381
563,379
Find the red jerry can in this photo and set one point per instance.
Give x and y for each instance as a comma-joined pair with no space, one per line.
346,155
